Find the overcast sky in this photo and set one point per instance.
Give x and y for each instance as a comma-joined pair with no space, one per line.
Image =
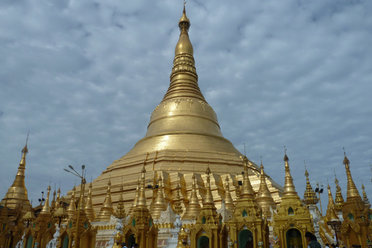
84,76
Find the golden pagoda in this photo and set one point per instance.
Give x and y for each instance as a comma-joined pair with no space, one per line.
355,227
16,197
292,219
183,137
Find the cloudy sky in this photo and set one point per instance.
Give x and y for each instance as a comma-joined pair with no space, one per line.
84,76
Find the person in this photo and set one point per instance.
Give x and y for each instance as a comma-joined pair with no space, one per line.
124,245
311,240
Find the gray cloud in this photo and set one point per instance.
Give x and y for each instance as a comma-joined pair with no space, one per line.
84,77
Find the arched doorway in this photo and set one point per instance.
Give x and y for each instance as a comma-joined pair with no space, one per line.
65,242
130,240
245,239
294,239
203,242
29,242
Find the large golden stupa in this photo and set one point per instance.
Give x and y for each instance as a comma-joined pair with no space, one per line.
183,138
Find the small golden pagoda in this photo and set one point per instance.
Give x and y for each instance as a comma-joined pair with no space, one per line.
292,219
309,195
339,200
355,227
247,228
206,231
141,229
16,197
264,198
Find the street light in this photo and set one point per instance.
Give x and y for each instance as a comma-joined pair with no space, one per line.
72,171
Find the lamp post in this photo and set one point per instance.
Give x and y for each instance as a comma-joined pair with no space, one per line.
72,171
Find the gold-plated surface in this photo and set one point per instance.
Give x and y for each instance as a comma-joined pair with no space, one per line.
365,198
89,205
352,191
309,195
193,207
46,207
330,214
229,202
17,193
107,209
289,188
72,206
159,203
339,201
264,198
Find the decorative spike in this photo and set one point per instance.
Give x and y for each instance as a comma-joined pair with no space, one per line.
365,198
17,193
309,195
339,198
193,208
247,191
208,201
352,191
46,207
72,207
159,205
289,188
141,196
89,205
134,205
229,203
331,215
264,198
107,210
177,207
58,198
53,204
120,210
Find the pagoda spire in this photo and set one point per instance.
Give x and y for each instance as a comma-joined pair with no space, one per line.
247,191
339,198
177,206
141,202
17,192
352,191
264,198
159,203
289,188
107,209
309,195
193,208
72,207
365,198
184,79
46,207
229,203
120,210
89,205
330,214
208,201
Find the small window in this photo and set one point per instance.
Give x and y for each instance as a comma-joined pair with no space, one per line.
244,213
350,216
290,211
204,220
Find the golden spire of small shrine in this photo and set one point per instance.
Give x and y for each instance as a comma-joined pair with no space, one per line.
339,198
208,201
159,204
72,207
247,191
193,207
177,207
107,210
330,214
352,191
89,205
46,207
289,188
17,192
58,199
141,202
264,198
309,195
229,203
365,198
120,210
